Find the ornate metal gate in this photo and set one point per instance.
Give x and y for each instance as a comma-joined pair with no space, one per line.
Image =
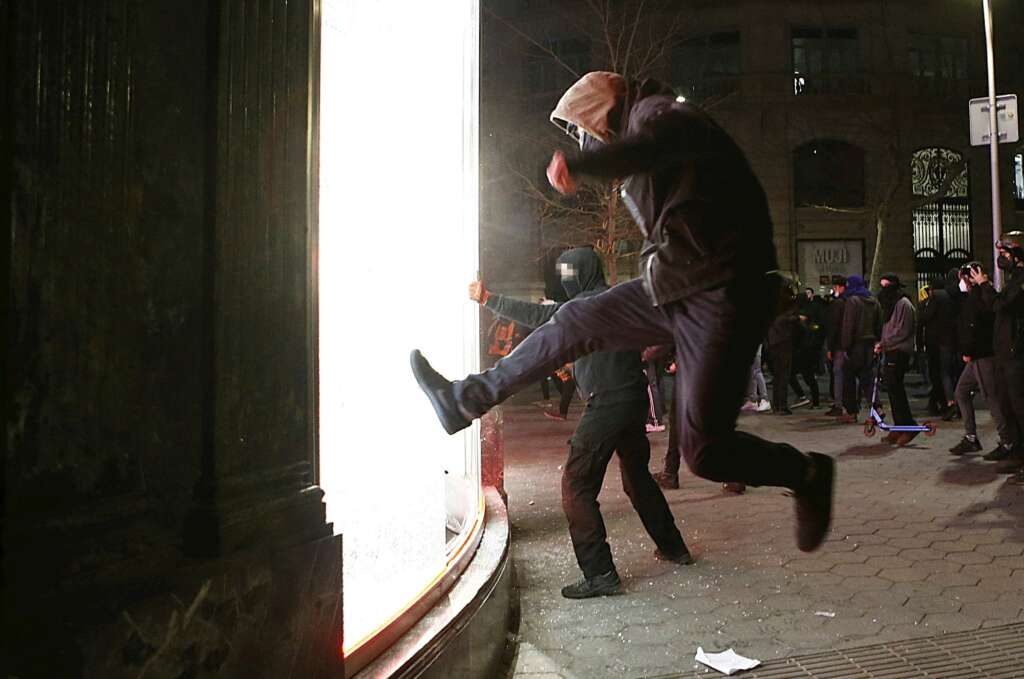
942,226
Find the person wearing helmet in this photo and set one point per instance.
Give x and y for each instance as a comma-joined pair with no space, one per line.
1008,343
613,422
708,286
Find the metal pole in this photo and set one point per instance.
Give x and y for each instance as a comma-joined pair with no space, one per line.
993,143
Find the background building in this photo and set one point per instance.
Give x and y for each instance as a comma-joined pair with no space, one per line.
852,113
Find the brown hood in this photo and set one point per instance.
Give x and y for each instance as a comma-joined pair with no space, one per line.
588,103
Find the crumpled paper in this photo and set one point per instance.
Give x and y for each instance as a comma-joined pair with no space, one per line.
726,662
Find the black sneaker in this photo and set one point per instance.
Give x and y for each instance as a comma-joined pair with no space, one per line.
1000,452
802,402
440,393
666,480
782,411
966,445
952,413
834,411
599,585
734,488
683,558
814,504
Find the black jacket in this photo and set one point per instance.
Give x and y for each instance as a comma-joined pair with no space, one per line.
692,192
604,377
938,318
976,323
862,322
1009,317
834,324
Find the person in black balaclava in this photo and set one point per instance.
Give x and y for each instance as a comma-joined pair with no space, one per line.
613,421
709,282
938,318
1008,342
896,346
952,364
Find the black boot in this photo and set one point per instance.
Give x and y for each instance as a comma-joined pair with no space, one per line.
599,585
814,503
666,480
440,393
683,558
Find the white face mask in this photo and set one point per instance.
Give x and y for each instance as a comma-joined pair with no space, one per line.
963,285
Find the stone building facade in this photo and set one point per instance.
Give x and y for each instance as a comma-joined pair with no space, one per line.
836,104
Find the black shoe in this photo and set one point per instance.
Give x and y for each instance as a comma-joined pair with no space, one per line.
1017,479
801,402
782,411
965,446
734,488
439,392
814,504
952,413
599,585
683,558
834,411
666,480
1000,452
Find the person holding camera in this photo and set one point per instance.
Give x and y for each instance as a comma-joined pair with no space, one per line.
1008,342
975,332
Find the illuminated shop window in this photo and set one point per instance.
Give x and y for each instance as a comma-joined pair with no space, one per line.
397,247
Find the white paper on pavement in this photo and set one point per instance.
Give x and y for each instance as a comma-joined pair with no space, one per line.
727,662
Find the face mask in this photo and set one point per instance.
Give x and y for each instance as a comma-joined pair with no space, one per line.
963,285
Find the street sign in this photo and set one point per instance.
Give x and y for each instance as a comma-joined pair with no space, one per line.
1006,113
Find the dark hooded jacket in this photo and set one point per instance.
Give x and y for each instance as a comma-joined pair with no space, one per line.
687,185
938,317
610,381
861,315
1008,340
977,322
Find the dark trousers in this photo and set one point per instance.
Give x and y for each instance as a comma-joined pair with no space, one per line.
781,358
715,332
1010,390
672,454
804,367
896,365
858,376
568,390
952,366
654,373
980,375
582,479
937,395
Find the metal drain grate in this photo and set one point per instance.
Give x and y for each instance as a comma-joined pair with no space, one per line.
992,653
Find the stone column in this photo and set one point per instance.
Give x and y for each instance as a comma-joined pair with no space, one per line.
260,374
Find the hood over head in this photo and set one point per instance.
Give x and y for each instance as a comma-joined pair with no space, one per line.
587,104
856,287
581,271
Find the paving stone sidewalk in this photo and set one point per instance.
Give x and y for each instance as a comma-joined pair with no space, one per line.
923,543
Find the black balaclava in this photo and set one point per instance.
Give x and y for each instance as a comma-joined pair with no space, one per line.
887,298
581,271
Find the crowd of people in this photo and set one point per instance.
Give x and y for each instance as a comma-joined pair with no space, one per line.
709,288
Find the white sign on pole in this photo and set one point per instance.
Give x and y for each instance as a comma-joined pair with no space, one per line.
1006,113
